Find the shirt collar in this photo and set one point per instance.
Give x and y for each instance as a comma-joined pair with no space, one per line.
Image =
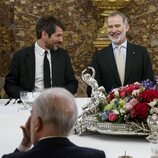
122,45
47,137
39,49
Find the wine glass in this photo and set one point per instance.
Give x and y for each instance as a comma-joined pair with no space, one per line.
35,94
24,96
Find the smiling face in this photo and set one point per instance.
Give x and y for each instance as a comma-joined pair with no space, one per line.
117,29
55,40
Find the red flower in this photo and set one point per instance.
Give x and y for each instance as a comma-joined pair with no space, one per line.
140,111
110,96
130,88
148,95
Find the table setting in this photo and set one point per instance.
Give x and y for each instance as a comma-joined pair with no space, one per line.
114,146
117,140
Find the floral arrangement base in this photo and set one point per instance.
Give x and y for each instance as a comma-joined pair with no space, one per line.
90,123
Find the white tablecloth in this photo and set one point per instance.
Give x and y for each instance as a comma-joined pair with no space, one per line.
10,134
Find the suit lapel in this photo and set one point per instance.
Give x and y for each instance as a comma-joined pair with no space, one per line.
30,61
54,63
130,59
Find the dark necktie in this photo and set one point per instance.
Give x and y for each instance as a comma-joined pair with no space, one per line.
47,83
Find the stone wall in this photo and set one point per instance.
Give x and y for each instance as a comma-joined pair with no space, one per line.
7,35
17,19
144,27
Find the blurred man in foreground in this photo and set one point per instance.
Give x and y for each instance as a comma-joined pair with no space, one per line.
53,116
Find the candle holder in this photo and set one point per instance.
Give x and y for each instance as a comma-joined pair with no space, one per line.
108,7
125,156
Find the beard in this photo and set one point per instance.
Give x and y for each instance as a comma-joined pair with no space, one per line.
53,46
119,39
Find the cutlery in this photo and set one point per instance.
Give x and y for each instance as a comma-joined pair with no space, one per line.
8,102
15,101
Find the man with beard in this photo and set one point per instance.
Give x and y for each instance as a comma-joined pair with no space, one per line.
44,64
120,63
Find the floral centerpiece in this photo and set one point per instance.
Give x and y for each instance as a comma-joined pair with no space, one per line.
128,110
132,103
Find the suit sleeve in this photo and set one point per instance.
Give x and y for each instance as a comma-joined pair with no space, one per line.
71,83
148,71
11,86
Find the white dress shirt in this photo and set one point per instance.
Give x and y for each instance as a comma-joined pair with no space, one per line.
123,50
39,63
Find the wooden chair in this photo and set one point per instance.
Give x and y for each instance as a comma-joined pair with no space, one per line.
2,91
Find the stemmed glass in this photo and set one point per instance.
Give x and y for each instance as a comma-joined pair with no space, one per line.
28,98
35,94
24,96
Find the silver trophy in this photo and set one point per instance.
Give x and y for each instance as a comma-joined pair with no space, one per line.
86,119
97,94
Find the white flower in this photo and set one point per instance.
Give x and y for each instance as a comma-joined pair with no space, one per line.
153,103
122,111
116,92
115,111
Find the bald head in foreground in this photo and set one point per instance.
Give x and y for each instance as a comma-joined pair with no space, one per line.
53,116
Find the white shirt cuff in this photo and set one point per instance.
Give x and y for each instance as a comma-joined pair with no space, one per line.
23,148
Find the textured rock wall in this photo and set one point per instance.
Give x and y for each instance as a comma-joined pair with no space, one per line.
6,34
17,19
143,21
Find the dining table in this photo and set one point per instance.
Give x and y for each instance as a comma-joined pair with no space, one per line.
15,114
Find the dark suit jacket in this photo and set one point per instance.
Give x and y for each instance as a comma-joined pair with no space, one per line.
21,75
57,148
138,67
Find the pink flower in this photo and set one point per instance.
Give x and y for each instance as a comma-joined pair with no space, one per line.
112,117
133,101
128,106
122,93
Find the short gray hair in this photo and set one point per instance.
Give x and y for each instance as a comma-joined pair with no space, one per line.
124,17
57,107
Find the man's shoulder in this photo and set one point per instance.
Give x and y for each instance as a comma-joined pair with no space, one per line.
60,52
91,152
70,151
136,46
23,51
104,52
16,154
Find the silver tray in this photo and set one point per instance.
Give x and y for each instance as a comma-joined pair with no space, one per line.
90,123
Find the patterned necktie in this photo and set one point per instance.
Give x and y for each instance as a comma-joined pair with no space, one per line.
46,70
120,64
